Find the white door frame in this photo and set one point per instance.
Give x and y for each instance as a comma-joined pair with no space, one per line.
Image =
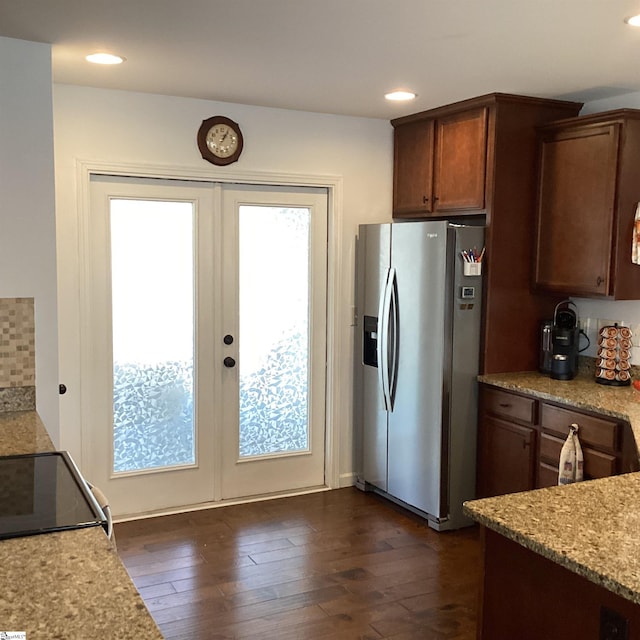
333,184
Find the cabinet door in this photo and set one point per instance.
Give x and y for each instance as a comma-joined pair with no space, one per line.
460,161
413,168
507,457
596,463
575,210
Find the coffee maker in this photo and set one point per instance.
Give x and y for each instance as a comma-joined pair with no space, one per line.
565,338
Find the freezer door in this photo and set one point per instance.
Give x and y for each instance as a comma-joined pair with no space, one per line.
374,247
415,439
466,315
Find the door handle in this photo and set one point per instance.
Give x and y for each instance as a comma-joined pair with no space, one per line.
229,362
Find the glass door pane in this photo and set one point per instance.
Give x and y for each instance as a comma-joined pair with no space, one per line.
152,281
274,261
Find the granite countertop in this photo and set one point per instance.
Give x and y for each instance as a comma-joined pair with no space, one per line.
67,584
591,528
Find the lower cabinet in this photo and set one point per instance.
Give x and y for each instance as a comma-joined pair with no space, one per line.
527,597
520,439
508,455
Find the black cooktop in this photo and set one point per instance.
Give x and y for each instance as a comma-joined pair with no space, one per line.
43,492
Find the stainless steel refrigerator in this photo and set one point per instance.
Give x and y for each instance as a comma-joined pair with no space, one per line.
418,321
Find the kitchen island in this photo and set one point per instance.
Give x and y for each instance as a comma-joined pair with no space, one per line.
561,562
67,584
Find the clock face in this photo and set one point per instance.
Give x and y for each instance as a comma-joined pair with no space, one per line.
222,140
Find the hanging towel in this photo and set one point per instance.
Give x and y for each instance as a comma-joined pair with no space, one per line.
635,241
571,461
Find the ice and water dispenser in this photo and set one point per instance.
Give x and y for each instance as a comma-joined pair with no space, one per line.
370,345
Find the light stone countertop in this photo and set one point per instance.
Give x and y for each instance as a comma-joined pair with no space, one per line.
591,528
23,432
69,584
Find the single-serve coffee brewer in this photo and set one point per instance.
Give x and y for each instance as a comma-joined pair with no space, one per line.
560,343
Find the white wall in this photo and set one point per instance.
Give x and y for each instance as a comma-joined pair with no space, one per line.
595,312
122,127
27,224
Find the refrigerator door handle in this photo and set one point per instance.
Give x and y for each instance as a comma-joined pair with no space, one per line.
383,349
393,338
388,340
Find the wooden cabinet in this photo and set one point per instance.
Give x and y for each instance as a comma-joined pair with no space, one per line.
413,146
520,439
440,164
599,438
589,188
528,597
506,443
477,158
510,448
460,161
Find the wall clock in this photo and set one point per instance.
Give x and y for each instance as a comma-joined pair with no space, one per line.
220,140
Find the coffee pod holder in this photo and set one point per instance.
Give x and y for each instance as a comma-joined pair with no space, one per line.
613,361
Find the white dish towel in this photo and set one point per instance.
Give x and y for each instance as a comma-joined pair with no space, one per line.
571,460
635,239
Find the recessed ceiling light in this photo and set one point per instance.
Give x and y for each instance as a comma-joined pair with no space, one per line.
634,21
400,96
105,58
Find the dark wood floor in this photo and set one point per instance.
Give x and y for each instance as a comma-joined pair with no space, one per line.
341,564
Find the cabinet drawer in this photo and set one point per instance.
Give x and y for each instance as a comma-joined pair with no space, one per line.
509,405
596,464
593,431
547,475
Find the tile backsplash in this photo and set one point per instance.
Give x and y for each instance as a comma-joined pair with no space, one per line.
17,354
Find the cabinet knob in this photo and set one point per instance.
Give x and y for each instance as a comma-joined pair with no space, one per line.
599,281
425,199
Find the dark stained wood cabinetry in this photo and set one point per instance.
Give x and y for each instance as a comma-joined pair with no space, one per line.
477,158
589,187
529,597
506,442
460,161
509,455
440,164
413,168
520,438
599,440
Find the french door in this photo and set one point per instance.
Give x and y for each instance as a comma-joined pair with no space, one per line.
205,317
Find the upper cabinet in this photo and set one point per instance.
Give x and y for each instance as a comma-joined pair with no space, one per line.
478,158
440,164
589,188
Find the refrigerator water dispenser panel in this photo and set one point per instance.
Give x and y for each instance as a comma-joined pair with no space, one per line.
370,342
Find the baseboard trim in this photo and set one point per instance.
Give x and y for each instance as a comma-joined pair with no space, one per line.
222,503
347,480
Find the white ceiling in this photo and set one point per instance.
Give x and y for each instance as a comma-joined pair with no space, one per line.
339,56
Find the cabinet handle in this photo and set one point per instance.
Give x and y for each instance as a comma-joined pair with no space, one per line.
425,199
599,281
505,405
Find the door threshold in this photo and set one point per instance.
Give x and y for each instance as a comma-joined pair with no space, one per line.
220,503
